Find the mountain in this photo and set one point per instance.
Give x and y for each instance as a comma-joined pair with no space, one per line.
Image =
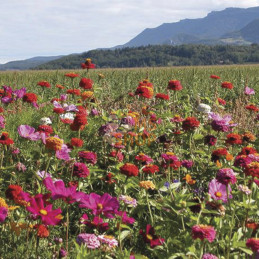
250,33
27,63
207,30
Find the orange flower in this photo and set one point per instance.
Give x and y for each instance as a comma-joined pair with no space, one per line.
72,75
60,86
147,185
189,179
86,95
54,143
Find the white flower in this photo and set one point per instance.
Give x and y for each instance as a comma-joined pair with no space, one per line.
67,115
45,121
205,108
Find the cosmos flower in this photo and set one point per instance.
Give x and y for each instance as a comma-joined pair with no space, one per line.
249,91
221,123
218,191
28,132
150,237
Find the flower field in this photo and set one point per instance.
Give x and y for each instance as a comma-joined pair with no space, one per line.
130,163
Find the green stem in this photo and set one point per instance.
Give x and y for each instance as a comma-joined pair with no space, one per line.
149,209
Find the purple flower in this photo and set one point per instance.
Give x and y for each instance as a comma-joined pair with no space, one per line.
221,123
249,91
90,240
209,256
218,191
94,112
6,99
20,92
59,191
226,176
107,128
28,132
105,204
43,174
66,107
3,213
20,167
63,97
187,163
62,252
63,154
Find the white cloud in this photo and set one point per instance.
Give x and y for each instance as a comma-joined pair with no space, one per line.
52,27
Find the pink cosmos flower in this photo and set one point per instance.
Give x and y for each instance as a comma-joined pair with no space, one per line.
97,223
28,132
125,218
218,191
105,204
3,213
221,123
39,208
249,91
66,107
59,191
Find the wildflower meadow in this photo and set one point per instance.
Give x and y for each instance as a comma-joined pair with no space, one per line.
130,163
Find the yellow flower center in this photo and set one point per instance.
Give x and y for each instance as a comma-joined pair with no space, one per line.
149,237
43,212
99,206
218,194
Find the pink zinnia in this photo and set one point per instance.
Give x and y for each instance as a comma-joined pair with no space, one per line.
3,213
253,244
88,157
80,170
203,232
209,256
226,176
90,240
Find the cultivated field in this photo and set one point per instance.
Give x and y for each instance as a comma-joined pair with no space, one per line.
130,163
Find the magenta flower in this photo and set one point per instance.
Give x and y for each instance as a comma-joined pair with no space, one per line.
80,170
88,157
249,91
2,122
97,222
209,256
28,132
218,191
226,176
63,154
105,204
3,213
125,218
19,93
66,107
59,191
38,208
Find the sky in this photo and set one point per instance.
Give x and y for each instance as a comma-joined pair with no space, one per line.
30,28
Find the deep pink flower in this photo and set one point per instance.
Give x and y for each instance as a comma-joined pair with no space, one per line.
226,176
150,237
88,157
105,204
59,191
2,122
97,223
90,240
80,170
203,232
125,218
39,208
249,91
3,213
218,191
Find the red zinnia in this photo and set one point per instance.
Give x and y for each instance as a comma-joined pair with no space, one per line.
247,151
234,138
44,84
129,169
72,75
86,83
5,140
74,91
227,85
174,85
30,98
88,64
1,110
203,232
190,123
58,110
218,153
214,77
144,91
150,169
221,101
45,129
42,231
162,96
252,107
77,142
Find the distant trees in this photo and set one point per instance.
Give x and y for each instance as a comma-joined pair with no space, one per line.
161,55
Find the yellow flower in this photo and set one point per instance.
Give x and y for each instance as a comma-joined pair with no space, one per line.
147,185
87,94
54,143
3,203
